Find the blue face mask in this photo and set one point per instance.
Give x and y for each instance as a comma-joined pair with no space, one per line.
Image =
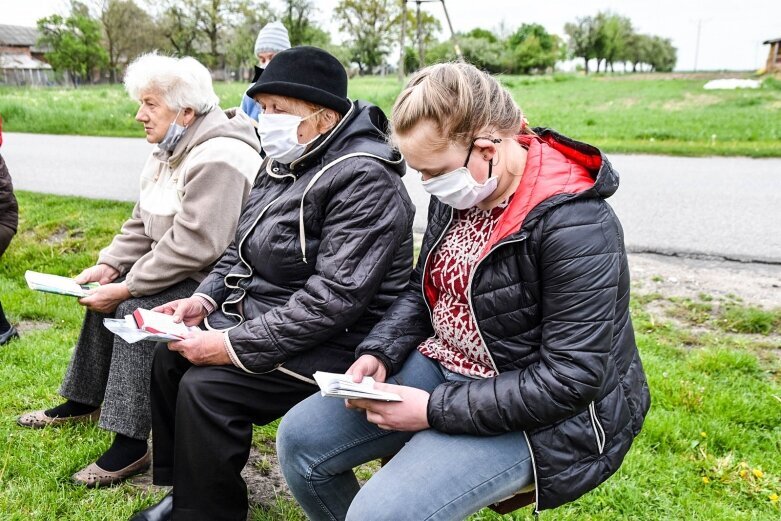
173,135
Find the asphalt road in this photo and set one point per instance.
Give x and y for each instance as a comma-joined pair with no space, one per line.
722,207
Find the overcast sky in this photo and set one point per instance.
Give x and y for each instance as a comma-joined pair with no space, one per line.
730,33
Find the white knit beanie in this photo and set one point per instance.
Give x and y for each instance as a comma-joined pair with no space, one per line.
272,38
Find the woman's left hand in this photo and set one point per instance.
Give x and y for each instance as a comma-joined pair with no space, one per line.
202,348
407,415
106,298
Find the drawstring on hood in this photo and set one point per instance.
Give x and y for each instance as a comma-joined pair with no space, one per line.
360,120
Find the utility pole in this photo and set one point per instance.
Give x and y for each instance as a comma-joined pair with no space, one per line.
419,34
421,49
697,45
401,39
452,34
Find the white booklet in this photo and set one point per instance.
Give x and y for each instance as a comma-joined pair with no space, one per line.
159,323
49,283
127,329
342,386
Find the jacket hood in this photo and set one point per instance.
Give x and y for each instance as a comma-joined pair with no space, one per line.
216,123
584,155
364,129
557,170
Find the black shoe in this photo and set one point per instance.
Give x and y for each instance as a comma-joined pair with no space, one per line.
159,512
8,335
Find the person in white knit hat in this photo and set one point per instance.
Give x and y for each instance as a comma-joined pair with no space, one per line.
272,38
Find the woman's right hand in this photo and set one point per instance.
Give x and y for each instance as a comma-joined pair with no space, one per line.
102,273
187,310
368,365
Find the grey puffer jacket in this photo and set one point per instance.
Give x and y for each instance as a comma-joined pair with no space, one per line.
322,249
550,296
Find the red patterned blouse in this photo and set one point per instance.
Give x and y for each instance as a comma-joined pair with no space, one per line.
456,343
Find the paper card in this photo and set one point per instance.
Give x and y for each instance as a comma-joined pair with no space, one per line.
49,283
342,386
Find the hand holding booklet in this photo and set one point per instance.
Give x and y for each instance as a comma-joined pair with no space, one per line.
56,284
342,386
147,325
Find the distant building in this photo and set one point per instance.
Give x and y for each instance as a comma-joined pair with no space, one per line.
774,56
21,60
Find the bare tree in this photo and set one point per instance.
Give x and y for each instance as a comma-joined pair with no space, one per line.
128,31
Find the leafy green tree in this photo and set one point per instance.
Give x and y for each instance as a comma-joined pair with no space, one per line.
75,42
614,33
639,50
480,52
430,26
582,38
200,28
485,34
370,25
298,16
663,55
531,48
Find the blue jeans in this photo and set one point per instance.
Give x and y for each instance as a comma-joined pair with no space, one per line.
433,475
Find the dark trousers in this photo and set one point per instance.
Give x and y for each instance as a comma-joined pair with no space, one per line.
202,421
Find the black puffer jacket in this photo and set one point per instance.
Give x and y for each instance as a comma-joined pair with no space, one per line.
551,301
323,247
9,209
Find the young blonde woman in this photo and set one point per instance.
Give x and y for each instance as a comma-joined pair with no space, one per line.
512,347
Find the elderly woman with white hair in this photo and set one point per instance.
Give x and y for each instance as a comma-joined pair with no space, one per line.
193,186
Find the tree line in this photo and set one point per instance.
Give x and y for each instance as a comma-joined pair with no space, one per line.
105,35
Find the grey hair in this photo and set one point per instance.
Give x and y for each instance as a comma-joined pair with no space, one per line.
181,82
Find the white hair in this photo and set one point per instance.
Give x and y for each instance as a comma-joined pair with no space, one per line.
181,82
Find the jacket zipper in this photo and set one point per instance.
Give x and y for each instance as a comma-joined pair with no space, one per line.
599,432
479,333
493,363
425,263
241,258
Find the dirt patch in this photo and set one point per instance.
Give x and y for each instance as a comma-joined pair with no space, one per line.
755,284
691,100
265,483
26,326
262,474
57,237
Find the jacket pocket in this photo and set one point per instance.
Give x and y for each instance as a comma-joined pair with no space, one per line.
596,426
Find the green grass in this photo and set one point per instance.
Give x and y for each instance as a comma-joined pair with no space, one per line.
729,315
642,113
710,448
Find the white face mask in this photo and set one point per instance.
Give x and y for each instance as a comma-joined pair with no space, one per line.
459,189
173,135
279,136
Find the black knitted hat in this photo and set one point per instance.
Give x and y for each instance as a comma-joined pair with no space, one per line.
305,73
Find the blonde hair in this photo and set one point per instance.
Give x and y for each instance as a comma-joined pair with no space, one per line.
460,100
181,82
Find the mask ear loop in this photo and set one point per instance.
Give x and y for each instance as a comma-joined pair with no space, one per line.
491,163
469,153
495,141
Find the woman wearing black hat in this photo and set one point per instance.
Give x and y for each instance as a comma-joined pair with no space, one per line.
323,247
